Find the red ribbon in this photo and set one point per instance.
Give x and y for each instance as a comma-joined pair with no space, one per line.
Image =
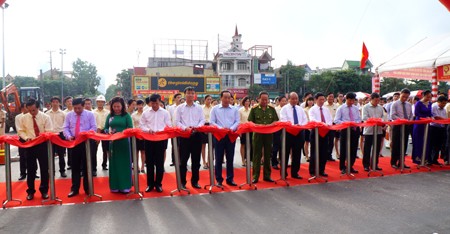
219,133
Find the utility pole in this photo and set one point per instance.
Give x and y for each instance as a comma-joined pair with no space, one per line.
51,63
62,52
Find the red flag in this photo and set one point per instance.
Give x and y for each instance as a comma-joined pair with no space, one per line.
364,57
446,3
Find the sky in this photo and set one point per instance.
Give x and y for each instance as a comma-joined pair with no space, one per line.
109,34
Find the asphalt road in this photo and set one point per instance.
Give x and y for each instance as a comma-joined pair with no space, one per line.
410,203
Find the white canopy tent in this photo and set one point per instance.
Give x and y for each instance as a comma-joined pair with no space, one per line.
429,59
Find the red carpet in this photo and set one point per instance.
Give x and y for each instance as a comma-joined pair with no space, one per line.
101,184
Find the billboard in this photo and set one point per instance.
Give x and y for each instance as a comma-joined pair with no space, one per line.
142,84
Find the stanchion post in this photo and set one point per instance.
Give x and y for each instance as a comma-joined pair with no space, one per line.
248,163
373,169
424,150
135,170
348,156
211,165
89,172
402,149
177,168
8,178
316,158
51,172
283,157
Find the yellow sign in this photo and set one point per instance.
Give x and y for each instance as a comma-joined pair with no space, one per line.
141,83
162,82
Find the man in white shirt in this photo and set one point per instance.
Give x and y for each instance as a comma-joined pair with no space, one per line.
100,117
319,113
152,121
57,116
22,151
332,107
32,125
438,135
276,145
296,115
172,111
188,117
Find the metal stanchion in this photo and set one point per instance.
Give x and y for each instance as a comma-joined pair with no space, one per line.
283,157
424,150
316,174
375,152
211,166
249,163
135,170
8,178
89,172
177,169
402,150
348,156
51,170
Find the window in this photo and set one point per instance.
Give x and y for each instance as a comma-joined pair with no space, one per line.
242,66
163,64
242,82
227,81
226,66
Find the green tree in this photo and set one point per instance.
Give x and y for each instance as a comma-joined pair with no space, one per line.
85,76
124,83
340,81
253,91
25,81
294,78
111,92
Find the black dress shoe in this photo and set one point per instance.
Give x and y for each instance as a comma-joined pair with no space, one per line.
269,180
72,193
254,181
149,189
332,160
63,174
45,196
196,185
183,186
407,167
297,177
30,196
366,169
159,189
354,171
231,183
94,173
69,168
219,184
323,174
37,177
394,166
276,167
172,164
22,177
379,169
105,168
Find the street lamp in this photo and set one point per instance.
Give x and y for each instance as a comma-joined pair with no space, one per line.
62,52
6,5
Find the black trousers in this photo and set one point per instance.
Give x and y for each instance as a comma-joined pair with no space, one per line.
190,147
154,160
295,143
23,161
396,143
367,153
78,165
323,153
105,150
61,152
276,147
354,136
331,135
38,152
438,137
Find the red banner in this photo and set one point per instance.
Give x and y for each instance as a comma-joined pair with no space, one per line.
443,73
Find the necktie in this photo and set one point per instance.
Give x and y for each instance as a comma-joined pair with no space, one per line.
405,115
322,117
295,116
77,126
36,127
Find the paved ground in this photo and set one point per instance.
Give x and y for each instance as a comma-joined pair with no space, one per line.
410,203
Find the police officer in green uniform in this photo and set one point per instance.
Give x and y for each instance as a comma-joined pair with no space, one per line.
262,114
